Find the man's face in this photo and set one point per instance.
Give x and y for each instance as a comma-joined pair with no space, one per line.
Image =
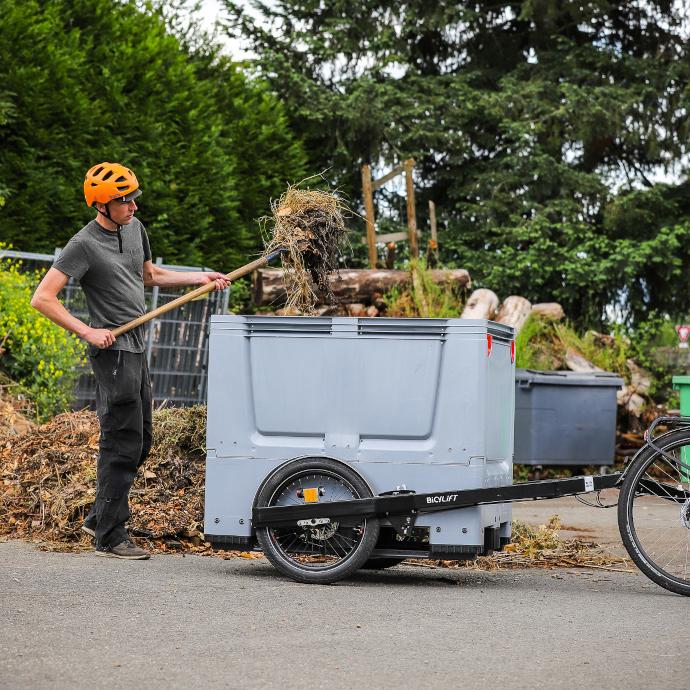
121,212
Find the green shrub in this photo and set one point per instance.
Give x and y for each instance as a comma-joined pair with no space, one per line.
543,344
534,346
423,297
42,357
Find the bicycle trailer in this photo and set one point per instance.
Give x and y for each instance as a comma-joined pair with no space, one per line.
335,444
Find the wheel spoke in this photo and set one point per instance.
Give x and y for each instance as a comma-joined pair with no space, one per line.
317,545
330,549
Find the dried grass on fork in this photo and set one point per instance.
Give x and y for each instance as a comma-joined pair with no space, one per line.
310,225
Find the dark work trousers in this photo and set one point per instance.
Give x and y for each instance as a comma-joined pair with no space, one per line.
124,406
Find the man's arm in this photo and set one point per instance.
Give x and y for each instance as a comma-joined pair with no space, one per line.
155,275
45,300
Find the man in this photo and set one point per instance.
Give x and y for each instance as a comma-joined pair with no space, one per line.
111,259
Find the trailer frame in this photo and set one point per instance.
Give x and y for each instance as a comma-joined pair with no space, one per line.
402,506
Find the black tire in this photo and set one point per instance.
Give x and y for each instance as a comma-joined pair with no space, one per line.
323,554
382,563
654,497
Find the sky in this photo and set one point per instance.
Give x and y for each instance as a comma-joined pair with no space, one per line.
209,12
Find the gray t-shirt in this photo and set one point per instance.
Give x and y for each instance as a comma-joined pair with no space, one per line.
111,273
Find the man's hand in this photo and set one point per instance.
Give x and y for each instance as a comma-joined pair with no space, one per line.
99,337
213,276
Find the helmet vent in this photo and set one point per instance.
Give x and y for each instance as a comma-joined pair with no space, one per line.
107,175
94,184
123,187
99,171
122,178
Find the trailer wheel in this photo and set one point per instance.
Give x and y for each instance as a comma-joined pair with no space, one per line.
654,512
326,552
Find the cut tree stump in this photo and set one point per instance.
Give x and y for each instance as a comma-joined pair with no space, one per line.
482,304
514,312
351,285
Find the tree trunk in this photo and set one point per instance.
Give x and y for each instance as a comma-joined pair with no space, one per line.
514,312
482,304
351,286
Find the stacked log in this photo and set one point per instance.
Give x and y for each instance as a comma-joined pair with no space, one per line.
548,310
482,304
350,286
514,312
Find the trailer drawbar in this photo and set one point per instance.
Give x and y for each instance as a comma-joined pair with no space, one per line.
407,503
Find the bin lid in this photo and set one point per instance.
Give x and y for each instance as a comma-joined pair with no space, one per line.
569,378
680,381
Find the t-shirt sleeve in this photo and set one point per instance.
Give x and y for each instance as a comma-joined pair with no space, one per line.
72,260
145,243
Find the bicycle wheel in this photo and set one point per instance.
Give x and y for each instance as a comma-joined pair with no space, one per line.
330,550
654,512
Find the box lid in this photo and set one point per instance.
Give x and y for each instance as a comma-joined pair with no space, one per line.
681,381
568,378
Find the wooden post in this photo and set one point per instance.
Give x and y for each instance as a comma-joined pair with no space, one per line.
369,213
390,254
411,213
434,235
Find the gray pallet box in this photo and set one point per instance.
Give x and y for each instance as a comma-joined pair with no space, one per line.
565,417
419,403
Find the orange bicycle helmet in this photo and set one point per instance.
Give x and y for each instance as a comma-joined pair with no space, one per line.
107,181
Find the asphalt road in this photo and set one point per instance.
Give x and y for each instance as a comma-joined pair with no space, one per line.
76,620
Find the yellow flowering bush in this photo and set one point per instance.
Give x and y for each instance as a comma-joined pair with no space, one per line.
42,357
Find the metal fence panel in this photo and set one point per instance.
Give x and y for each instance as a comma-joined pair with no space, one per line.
176,342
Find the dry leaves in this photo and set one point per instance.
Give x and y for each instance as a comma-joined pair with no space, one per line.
48,482
544,548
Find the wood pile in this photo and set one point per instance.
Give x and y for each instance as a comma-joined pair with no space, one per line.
513,311
350,286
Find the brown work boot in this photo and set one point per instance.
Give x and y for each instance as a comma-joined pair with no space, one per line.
125,549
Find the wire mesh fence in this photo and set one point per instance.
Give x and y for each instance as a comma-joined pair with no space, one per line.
176,342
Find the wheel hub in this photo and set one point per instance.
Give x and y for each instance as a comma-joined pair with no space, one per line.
685,513
324,532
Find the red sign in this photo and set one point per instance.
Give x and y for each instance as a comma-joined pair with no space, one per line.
683,334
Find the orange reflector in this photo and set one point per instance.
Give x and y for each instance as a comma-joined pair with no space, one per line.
311,495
